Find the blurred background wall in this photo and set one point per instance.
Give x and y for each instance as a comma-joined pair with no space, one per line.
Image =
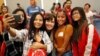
47,4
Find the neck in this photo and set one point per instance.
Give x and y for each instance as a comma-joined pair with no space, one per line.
37,30
3,13
68,9
33,5
60,26
49,32
86,10
81,22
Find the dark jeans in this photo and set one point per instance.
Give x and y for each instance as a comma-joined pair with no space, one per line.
68,53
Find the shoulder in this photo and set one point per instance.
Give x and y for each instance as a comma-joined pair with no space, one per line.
69,26
69,29
29,7
38,6
24,30
90,12
89,28
44,32
90,25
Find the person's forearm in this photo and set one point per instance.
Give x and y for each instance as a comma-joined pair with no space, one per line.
12,31
43,46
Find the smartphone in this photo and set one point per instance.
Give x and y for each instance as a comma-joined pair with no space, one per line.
17,18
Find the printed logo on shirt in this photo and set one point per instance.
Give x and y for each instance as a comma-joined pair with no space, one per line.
33,11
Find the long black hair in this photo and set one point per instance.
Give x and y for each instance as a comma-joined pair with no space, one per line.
32,29
78,25
23,24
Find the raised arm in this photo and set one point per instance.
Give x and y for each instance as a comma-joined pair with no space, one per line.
6,25
12,31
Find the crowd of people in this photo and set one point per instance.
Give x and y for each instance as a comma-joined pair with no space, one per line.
64,31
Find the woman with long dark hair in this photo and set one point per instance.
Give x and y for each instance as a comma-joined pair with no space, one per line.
85,39
63,35
37,37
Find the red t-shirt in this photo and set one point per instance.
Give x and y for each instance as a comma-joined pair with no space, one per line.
68,13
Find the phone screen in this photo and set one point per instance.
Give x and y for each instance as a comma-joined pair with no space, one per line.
17,18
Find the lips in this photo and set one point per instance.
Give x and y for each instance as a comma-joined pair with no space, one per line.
60,21
37,24
49,26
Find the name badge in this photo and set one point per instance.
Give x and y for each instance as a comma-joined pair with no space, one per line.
60,34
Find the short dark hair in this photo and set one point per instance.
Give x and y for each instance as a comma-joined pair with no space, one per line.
49,17
59,4
18,4
88,5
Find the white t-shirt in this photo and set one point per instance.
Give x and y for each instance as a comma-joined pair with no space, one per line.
89,16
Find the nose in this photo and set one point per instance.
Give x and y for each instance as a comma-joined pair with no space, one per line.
60,18
38,21
49,22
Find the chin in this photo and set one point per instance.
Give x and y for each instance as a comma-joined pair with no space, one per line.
49,29
76,20
61,24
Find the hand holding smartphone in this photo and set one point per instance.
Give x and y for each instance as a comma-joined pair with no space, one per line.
17,18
